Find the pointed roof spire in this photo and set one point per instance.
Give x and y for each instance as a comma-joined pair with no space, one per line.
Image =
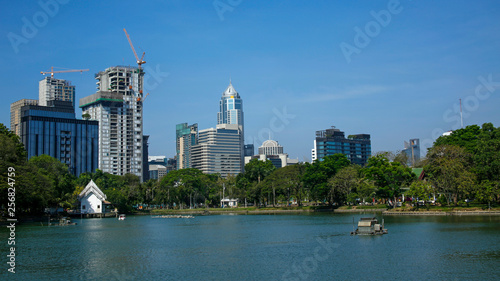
230,91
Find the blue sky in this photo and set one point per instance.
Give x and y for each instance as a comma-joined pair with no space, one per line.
404,80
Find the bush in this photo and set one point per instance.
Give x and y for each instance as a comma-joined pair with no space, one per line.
442,200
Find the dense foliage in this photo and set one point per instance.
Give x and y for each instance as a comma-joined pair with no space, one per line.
464,165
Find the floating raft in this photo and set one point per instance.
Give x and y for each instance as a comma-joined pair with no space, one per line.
173,217
369,226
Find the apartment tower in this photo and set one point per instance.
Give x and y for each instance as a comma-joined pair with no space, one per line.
117,105
51,88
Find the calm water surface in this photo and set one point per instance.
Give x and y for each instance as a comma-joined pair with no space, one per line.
257,247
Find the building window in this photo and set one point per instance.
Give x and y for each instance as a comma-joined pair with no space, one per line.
83,207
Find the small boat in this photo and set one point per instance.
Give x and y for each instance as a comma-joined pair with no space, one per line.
369,226
121,217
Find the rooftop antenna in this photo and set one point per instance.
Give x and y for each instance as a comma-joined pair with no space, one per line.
461,116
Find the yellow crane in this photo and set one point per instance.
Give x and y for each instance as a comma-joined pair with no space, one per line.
139,61
52,71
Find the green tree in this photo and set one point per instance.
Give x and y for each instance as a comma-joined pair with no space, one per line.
58,190
402,158
183,186
389,177
344,182
286,183
257,170
317,174
449,170
488,192
421,190
12,165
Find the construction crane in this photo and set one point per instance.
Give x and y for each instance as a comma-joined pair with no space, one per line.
61,71
143,99
139,61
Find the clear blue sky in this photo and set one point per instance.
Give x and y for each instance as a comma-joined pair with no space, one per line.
404,82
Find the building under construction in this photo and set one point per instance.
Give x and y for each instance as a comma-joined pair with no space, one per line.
117,105
51,89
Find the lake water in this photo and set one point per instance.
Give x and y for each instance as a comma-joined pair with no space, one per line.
257,247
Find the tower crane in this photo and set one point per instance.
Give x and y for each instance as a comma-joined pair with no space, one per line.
144,99
52,71
139,61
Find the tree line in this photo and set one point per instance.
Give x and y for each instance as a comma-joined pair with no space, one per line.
464,165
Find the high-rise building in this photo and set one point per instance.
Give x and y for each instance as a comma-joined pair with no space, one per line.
117,105
219,150
15,114
249,150
357,148
412,150
145,156
231,112
53,130
186,137
230,108
55,89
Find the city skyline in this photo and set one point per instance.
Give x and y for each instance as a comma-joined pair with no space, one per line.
392,69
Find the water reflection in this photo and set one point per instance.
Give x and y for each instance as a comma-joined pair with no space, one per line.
254,247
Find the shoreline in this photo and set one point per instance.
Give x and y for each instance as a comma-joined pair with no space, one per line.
290,211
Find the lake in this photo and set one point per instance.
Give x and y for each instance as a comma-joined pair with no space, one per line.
312,246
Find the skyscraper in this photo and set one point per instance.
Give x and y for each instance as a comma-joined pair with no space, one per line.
55,89
219,150
117,105
230,108
186,137
412,150
231,112
357,148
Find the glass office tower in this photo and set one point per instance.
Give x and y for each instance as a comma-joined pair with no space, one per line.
357,148
53,130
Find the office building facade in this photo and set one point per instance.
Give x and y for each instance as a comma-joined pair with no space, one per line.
219,150
186,137
15,114
331,141
117,105
53,130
